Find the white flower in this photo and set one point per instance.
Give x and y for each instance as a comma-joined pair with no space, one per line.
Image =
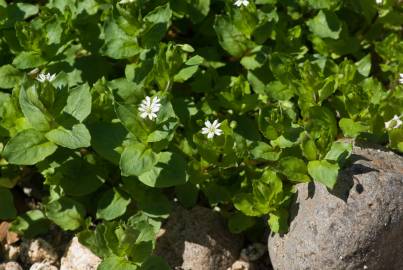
126,1
45,77
395,122
149,107
239,3
212,129
379,2
401,78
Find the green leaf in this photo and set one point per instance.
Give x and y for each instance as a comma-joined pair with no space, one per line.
7,209
153,263
120,48
364,65
77,137
79,102
156,23
137,159
324,171
78,177
278,221
154,204
30,224
323,4
30,59
112,204
128,115
265,151
169,171
352,128
230,38
66,213
187,194
325,25
185,74
106,139
9,76
33,109
294,168
238,222
309,149
196,10
28,148
339,152
116,263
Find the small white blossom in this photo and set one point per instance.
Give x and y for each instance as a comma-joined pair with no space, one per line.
239,3
395,122
149,107
45,77
379,2
212,129
401,78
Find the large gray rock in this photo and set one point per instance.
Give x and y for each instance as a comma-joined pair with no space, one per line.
359,226
198,239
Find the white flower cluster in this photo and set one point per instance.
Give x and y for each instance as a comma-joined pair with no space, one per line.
379,2
401,78
149,108
45,77
395,122
239,3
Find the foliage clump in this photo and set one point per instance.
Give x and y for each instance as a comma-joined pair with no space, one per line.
121,107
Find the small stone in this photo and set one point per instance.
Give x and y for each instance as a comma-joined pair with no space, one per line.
37,250
253,252
43,266
241,265
10,266
78,257
11,252
198,239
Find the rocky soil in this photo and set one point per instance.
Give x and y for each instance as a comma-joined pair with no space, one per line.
358,225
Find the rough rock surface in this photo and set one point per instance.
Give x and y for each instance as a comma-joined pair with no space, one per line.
11,252
37,250
359,226
43,266
10,266
78,256
242,265
198,239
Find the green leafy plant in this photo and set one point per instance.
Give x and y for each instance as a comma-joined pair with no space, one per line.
120,107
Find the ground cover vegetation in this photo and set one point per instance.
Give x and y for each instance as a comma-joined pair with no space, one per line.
113,110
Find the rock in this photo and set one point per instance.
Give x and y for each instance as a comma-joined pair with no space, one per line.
43,266
241,265
11,252
253,252
198,239
6,235
37,250
358,226
78,256
10,266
